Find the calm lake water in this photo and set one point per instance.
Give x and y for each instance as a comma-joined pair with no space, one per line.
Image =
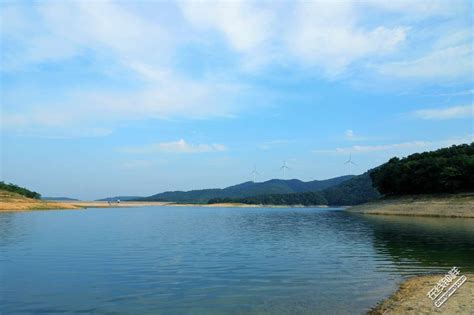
187,260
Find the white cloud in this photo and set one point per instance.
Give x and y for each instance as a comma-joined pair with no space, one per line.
140,50
250,29
456,93
328,34
403,147
135,164
352,136
85,110
245,26
454,112
383,147
445,63
179,146
416,8
58,30
272,143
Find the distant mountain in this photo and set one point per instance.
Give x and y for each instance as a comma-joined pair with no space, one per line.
248,189
59,198
355,190
121,198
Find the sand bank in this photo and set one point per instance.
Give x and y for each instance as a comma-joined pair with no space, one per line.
104,204
411,298
122,204
460,205
14,202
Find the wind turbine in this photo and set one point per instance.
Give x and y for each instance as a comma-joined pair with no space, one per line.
255,173
284,167
350,162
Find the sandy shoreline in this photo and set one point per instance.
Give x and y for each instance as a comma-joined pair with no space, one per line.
14,202
31,205
411,298
124,204
461,206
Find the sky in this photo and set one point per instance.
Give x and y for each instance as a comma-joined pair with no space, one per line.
106,98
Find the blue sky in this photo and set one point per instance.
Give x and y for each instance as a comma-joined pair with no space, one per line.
102,98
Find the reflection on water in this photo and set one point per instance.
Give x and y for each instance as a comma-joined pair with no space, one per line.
176,260
435,244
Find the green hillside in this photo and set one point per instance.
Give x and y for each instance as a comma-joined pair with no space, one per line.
448,170
311,198
247,189
19,190
353,191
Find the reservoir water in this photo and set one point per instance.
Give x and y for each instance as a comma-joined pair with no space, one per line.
199,260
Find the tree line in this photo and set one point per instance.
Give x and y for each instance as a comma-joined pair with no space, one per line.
19,190
305,199
447,170
357,190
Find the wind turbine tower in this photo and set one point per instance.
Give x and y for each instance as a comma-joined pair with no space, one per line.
284,167
255,173
350,163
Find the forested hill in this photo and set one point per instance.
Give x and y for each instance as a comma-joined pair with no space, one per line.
19,190
356,190
248,189
448,170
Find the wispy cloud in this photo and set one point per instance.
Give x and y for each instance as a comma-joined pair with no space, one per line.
272,143
244,25
119,38
179,146
454,112
135,164
456,93
88,109
403,147
447,63
329,35
330,38
352,136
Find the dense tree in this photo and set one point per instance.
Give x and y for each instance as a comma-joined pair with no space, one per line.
448,170
247,189
356,190
352,192
305,199
19,190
